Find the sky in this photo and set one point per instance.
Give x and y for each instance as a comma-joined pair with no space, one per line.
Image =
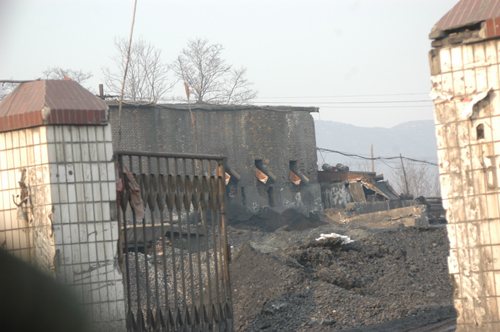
362,62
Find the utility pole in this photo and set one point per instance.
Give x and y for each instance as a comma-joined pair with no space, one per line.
372,158
404,174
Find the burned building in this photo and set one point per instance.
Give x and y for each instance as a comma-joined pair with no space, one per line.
364,191
464,64
270,151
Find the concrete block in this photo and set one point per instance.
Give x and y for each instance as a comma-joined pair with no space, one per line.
3,158
482,79
95,171
91,132
71,193
110,171
99,131
103,172
93,152
101,152
76,152
445,58
85,153
15,139
96,191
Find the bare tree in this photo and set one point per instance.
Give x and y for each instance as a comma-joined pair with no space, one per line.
201,66
239,89
6,88
422,179
147,76
57,73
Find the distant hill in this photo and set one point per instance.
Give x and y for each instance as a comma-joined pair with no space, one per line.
415,139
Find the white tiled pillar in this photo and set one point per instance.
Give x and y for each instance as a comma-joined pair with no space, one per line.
82,183
469,166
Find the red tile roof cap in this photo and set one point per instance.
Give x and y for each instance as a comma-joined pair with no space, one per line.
51,102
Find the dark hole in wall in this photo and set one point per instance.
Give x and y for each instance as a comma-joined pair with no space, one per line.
480,131
270,196
232,188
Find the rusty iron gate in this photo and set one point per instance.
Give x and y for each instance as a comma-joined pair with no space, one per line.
173,242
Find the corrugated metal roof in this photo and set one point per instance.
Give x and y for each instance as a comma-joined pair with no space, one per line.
465,13
46,102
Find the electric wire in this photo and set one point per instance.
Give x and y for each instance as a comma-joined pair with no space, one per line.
350,95
352,102
377,158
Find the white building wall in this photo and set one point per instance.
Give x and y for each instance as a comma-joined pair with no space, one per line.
469,175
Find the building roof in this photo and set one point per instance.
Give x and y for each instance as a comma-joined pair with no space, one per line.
50,102
467,13
214,107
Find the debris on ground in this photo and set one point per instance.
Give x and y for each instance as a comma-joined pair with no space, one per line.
356,277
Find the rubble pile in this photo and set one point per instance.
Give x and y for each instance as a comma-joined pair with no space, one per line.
313,280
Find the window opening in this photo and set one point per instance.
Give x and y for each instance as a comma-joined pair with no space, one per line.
480,131
262,172
295,176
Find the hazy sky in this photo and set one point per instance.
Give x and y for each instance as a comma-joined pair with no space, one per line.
339,55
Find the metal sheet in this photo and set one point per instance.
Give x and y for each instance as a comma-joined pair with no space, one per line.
357,192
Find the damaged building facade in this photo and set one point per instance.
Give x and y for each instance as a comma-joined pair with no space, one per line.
464,62
270,152
341,187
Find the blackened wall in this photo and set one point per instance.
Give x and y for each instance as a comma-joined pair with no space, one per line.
243,134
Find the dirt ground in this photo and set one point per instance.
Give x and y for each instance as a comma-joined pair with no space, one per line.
391,278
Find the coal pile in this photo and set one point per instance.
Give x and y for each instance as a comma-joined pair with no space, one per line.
384,280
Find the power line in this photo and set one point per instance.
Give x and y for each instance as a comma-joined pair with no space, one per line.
387,164
377,158
359,102
352,95
324,106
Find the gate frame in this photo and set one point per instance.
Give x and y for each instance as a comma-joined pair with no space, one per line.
138,324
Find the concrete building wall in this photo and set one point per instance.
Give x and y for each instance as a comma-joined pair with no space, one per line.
56,196
466,90
243,136
335,195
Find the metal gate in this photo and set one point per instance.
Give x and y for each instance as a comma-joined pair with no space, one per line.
173,242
